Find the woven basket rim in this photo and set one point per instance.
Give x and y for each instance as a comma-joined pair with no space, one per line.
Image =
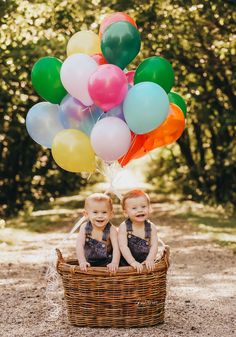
71,266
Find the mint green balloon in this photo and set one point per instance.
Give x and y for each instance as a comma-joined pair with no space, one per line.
155,69
178,100
46,79
120,43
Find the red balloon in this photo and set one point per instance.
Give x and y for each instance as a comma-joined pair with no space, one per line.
136,149
169,131
99,58
115,17
130,77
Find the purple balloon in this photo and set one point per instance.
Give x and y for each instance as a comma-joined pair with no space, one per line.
72,112
115,112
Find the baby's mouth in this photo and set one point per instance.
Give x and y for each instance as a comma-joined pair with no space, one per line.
140,215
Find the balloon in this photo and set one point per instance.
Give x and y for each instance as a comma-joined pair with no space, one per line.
120,43
130,77
46,80
108,86
87,124
169,131
115,17
178,100
75,73
136,149
110,138
99,58
72,151
115,112
155,69
145,107
43,123
84,42
72,112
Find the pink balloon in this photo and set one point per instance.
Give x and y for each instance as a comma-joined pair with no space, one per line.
130,77
75,73
107,86
110,138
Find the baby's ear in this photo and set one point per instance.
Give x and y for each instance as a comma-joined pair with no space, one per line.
150,209
85,213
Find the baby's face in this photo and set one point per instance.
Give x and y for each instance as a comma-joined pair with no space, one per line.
99,213
137,209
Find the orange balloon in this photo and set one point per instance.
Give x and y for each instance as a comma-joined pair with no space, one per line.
136,149
99,58
168,132
115,17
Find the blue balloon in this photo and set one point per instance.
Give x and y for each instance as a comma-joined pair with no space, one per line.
43,123
94,114
146,106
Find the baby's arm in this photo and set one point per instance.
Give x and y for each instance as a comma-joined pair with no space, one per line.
123,243
80,249
113,266
150,260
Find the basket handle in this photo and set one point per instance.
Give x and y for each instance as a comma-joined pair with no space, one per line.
60,258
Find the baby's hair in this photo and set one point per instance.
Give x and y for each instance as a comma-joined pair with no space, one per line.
133,194
98,197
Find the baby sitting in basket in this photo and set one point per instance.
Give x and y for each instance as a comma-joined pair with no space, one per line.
97,242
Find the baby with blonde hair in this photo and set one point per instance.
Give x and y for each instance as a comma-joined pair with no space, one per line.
97,241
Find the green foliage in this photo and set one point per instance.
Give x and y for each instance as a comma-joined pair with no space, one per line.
198,38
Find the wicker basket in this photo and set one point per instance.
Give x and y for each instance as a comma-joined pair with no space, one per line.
124,300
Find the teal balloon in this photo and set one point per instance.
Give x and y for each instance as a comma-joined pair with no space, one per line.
46,79
155,69
145,107
120,43
178,100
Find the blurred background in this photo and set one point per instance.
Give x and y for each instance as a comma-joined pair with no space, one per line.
197,37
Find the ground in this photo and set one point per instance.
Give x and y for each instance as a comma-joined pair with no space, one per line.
201,280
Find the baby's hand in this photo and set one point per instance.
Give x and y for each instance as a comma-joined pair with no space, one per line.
83,265
138,266
113,267
150,264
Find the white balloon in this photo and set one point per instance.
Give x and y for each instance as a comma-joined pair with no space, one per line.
110,138
43,123
75,73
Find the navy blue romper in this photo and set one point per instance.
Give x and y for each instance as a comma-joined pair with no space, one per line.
139,247
98,253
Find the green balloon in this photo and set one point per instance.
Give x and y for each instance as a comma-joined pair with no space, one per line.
120,43
155,69
46,79
178,100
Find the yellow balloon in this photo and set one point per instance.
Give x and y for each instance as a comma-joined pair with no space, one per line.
72,151
85,42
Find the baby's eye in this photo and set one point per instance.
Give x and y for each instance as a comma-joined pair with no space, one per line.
95,212
104,212
134,208
143,206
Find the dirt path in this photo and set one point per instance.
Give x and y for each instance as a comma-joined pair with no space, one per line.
200,300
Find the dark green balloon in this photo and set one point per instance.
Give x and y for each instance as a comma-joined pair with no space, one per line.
178,100
46,79
120,43
155,69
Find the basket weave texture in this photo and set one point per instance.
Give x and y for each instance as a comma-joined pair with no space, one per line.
127,299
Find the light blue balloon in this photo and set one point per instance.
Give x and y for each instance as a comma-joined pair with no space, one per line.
87,124
145,107
43,123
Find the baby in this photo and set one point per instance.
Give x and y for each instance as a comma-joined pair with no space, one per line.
97,241
137,236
